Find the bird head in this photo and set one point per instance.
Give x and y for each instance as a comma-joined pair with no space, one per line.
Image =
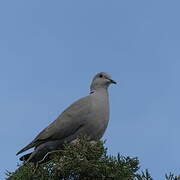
101,80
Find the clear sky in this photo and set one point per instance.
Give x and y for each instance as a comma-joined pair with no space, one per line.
49,52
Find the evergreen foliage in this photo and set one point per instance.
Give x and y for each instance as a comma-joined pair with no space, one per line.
84,161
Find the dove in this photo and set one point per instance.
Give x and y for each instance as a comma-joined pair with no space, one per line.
89,116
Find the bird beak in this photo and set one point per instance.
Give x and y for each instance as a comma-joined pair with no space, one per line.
112,81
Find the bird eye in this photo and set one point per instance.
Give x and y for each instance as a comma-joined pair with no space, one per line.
100,75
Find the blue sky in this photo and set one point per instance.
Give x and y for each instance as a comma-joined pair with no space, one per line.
49,52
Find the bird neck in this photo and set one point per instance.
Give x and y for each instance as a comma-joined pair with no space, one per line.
97,90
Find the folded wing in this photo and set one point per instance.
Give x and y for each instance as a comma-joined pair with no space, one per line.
65,125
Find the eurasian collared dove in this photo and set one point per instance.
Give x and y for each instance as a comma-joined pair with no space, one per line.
88,116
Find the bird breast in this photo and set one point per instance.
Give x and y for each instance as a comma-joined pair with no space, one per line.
99,114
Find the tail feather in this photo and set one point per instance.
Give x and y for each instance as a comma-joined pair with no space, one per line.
25,157
29,146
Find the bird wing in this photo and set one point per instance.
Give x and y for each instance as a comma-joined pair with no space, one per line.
65,125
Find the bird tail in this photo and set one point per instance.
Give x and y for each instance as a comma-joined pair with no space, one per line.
25,157
29,146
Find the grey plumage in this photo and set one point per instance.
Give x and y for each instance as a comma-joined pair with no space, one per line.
88,116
